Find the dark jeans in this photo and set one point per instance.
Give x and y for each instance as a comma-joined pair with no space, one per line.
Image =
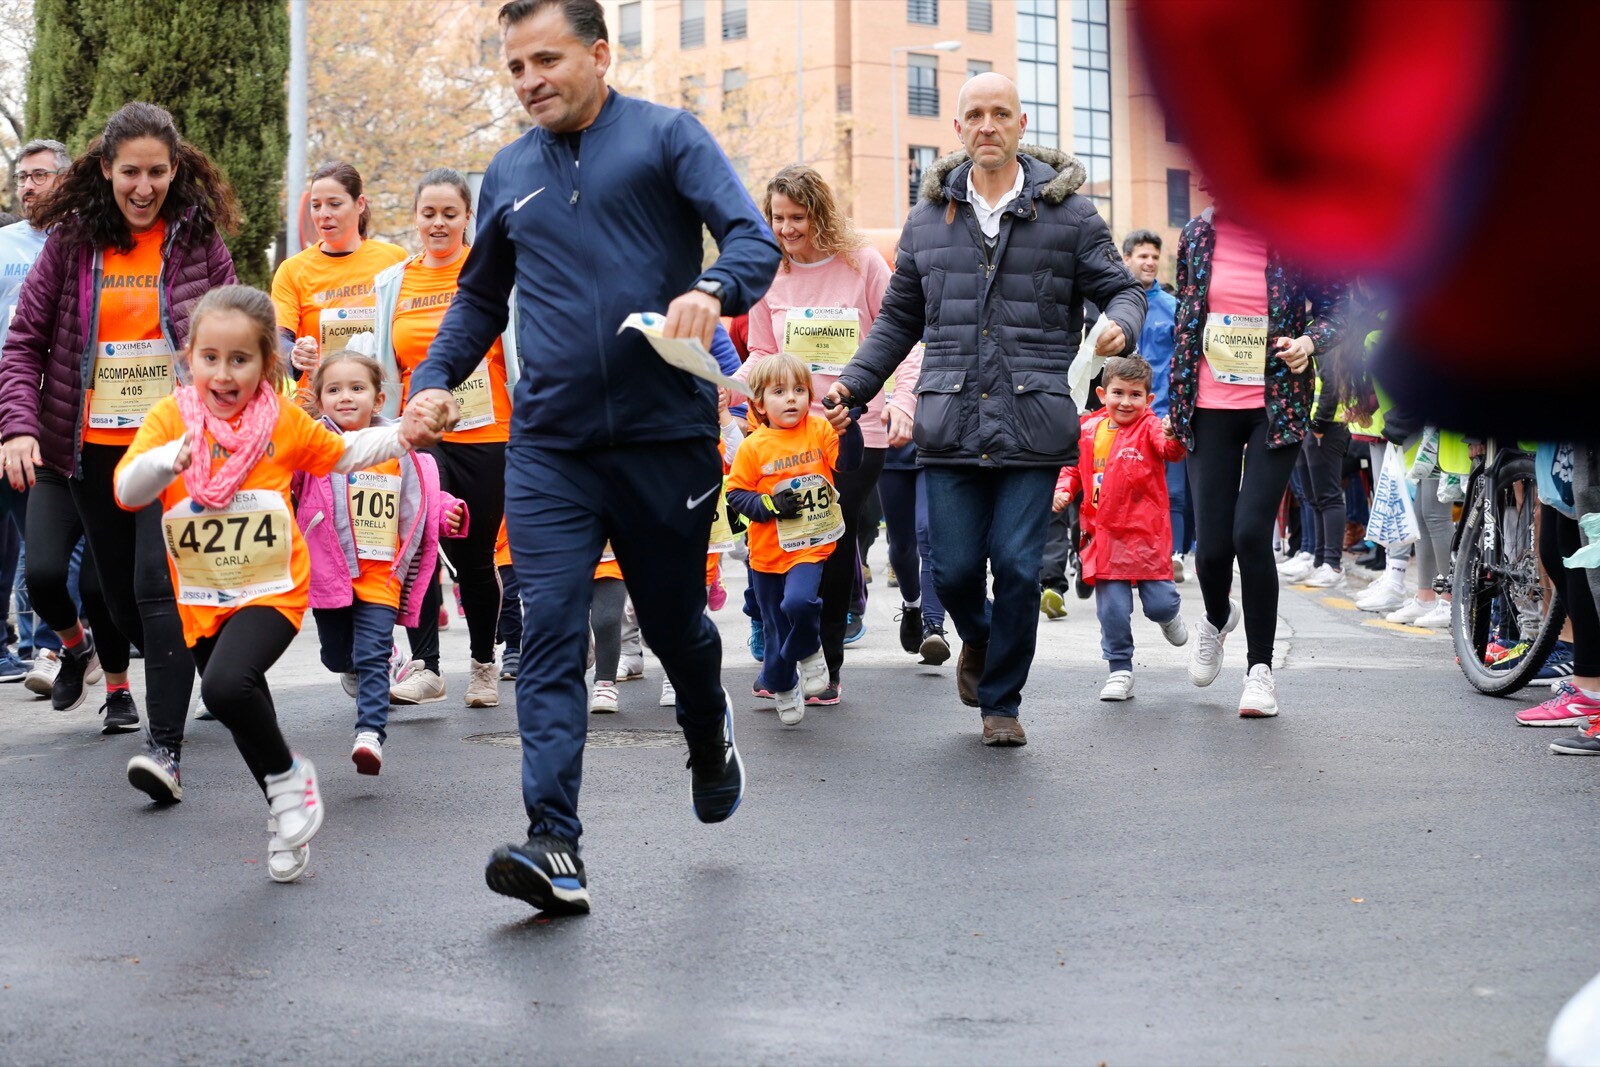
510,628
233,683
843,569
1322,460
791,615
1180,507
1238,484
904,494
996,516
476,474
561,508
359,638
1560,537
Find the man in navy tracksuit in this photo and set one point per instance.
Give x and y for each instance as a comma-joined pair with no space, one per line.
593,215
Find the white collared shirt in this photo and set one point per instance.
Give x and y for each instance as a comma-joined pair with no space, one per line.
989,217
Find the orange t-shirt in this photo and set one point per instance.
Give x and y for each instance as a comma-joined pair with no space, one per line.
502,547
767,459
312,282
245,546
425,295
378,512
131,375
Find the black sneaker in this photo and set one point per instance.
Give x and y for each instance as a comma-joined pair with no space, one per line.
155,771
718,772
546,873
935,647
121,713
910,628
67,692
830,695
510,663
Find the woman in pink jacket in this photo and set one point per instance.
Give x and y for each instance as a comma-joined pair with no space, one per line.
373,536
820,307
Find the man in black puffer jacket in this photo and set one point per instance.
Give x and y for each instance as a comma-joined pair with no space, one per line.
992,270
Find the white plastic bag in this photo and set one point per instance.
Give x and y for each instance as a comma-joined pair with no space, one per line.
1085,365
1393,522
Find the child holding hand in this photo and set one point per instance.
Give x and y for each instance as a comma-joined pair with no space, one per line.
782,481
1123,452
220,454
374,537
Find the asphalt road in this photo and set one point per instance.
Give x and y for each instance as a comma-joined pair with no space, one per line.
1389,872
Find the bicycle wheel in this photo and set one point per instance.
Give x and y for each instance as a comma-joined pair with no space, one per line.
1495,581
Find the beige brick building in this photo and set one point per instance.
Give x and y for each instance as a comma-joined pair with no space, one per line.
856,88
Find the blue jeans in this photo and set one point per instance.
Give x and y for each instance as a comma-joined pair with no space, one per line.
509,630
998,516
791,619
359,638
1113,605
1180,507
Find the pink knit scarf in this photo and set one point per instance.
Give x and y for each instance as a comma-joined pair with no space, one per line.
246,444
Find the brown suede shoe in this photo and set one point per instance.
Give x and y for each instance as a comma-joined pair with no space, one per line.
1003,730
969,669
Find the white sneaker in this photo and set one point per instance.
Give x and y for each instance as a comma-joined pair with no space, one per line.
813,674
791,707
295,803
483,686
352,684
1384,595
1324,577
603,701
669,695
1300,561
1118,687
400,665
1410,611
1176,631
1260,697
1177,569
1298,573
367,753
94,675
285,864
420,686
1437,617
46,665
630,668
1205,660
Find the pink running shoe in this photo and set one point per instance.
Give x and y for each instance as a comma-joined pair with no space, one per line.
1566,707
716,596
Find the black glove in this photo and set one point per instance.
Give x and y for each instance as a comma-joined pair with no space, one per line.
786,504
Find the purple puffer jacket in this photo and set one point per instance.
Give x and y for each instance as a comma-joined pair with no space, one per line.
49,351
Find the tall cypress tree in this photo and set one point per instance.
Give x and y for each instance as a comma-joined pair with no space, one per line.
218,67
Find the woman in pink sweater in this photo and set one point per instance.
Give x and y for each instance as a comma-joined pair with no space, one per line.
819,309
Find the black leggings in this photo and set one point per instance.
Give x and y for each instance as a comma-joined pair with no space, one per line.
843,568
476,474
1559,537
1234,517
49,566
233,683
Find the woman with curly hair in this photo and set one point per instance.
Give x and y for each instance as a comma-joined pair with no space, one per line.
135,241
823,301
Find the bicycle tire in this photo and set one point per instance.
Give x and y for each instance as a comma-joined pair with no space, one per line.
1476,589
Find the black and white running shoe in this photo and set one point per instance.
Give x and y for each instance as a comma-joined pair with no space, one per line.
718,772
67,691
155,771
121,713
547,873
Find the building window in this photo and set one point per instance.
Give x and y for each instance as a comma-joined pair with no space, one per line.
692,27
1091,99
920,161
922,85
1172,131
692,91
1177,197
733,103
735,20
842,98
976,67
630,25
1038,78
924,12
980,16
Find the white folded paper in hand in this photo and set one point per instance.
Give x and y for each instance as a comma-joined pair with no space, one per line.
1085,365
687,354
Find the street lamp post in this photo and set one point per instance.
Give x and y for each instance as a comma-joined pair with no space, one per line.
894,111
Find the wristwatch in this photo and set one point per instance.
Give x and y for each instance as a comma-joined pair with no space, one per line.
710,287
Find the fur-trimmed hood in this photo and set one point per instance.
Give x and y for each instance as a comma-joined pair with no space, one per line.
1068,174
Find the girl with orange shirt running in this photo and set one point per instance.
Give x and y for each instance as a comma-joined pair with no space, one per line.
220,455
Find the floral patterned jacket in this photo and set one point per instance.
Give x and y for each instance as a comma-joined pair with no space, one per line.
1296,304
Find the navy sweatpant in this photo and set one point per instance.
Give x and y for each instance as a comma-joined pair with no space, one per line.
654,503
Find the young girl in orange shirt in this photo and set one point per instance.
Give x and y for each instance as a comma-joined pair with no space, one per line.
220,454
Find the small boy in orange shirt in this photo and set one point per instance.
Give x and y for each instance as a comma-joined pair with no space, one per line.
782,481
